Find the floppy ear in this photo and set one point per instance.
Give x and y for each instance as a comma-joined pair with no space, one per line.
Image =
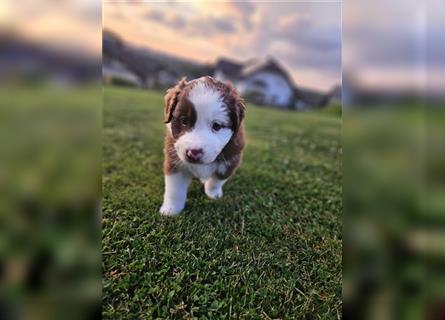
239,107
171,99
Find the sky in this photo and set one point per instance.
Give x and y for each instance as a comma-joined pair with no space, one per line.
395,44
305,37
73,24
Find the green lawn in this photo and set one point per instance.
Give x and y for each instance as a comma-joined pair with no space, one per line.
270,248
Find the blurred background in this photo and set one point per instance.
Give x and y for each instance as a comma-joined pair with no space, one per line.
50,71
285,55
393,160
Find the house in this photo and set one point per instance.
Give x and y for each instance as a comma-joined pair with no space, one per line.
115,72
126,64
306,99
335,95
262,81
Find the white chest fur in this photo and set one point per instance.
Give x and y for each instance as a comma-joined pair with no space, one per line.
201,171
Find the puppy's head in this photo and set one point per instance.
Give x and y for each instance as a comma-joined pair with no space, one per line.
202,116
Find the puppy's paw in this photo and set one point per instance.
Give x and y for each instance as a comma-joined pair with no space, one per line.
213,193
170,209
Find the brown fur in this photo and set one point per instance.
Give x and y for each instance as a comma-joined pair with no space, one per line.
232,153
171,99
171,159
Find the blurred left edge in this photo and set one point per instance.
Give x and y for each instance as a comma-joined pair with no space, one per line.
50,155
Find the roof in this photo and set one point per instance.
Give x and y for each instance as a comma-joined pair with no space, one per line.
232,69
311,97
229,68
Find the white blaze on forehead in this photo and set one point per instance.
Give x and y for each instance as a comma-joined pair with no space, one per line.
206,100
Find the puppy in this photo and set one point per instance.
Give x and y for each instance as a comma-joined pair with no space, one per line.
204,138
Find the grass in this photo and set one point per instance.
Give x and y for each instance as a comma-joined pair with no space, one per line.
270,248
394,208
50,188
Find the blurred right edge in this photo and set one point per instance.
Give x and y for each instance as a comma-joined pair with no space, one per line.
394,152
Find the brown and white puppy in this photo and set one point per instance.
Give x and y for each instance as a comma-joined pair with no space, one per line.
204,138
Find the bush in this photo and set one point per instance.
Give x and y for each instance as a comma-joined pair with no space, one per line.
334,109
122,82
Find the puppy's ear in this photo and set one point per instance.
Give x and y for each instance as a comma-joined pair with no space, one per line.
171,99
238,108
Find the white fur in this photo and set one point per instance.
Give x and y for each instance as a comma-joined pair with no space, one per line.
222,168
176,186
209,108
213,187
200,171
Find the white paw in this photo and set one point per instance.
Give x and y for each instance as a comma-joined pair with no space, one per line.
214,193
169,209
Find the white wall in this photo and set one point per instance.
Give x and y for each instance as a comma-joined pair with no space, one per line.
108,72
277,90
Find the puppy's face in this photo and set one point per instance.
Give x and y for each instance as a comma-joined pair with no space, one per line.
202,115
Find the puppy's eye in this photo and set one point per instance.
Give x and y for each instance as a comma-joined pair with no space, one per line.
216,126
183,121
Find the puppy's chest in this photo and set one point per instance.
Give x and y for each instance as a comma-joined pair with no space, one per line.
204,171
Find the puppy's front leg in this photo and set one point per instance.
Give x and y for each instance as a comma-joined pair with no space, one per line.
213,187
176,186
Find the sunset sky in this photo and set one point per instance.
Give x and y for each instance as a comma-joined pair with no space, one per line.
305,37
74,24
385,43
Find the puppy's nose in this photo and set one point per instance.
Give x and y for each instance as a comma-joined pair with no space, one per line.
194,155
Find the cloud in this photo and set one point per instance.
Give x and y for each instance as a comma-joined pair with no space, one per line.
310,29
117,15
154,15
177,22
298,60
243,11
244,7
308,38
294,21
302,31
203,26
212,25
305,37
169,19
